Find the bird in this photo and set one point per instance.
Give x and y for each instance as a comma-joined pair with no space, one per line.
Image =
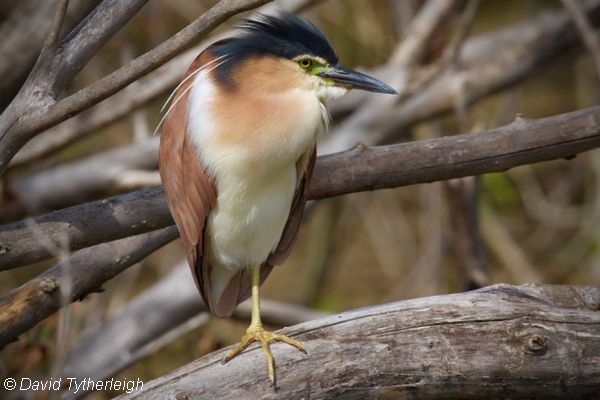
237,152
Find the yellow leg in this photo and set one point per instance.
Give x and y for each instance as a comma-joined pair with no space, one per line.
256,332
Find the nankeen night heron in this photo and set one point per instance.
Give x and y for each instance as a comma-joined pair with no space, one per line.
237,152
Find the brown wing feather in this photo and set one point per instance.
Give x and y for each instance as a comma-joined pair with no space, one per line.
190,193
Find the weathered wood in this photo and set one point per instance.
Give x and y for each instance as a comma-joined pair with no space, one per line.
500,342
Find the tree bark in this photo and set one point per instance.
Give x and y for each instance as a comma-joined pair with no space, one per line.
525,342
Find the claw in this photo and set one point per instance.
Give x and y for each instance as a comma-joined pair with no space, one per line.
256,333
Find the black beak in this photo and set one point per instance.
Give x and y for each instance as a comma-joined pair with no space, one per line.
347,77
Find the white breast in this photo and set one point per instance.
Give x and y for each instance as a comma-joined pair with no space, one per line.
255,183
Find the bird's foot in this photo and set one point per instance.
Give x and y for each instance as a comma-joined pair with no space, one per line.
256,333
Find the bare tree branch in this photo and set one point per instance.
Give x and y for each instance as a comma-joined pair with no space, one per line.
53,38
586,31
124,102
488,63
524,141
23,34
24,307
498,342
19,124
76,226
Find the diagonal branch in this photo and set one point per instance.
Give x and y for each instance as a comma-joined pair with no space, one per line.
363,168
24,307
55,68
586,31
54,35
20,126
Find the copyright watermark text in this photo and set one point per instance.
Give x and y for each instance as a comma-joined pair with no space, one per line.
73,385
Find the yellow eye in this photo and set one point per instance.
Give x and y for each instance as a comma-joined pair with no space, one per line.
305,63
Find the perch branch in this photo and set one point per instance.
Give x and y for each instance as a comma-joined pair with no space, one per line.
155,312
497,342
363,168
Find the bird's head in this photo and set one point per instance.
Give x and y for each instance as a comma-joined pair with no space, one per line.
285,51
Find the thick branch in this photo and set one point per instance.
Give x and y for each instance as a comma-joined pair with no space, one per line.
76,224
524,141
84,272
498,342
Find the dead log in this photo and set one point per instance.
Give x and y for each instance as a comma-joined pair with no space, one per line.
502,341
